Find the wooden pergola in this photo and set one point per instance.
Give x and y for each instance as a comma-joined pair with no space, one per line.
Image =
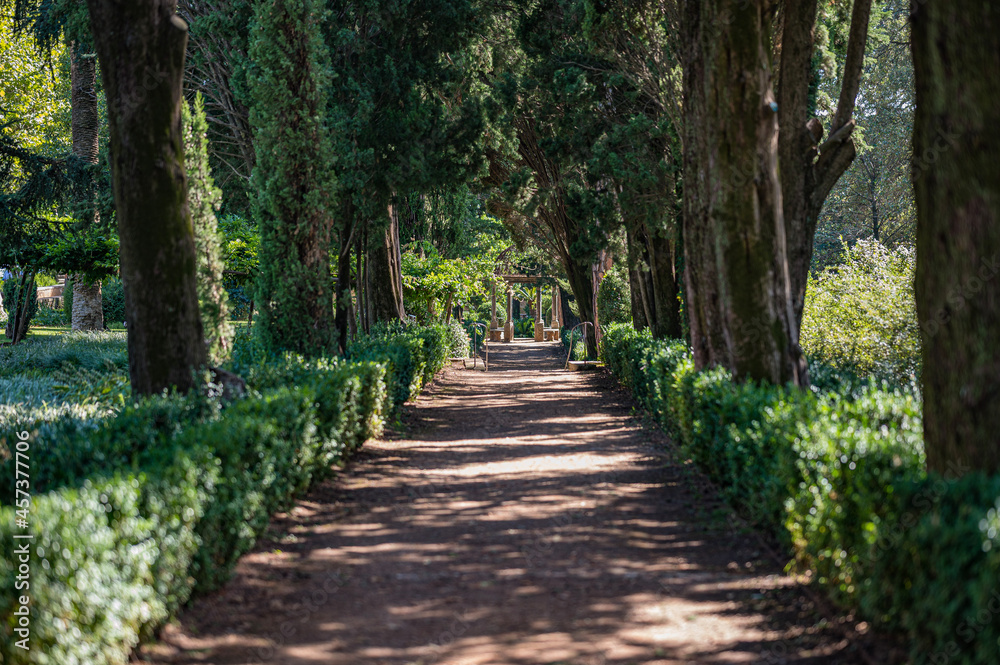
505,271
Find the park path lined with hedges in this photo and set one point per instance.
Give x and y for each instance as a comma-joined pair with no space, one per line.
523,516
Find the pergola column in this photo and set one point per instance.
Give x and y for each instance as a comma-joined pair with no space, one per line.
539,321
494,326
556,308
508,329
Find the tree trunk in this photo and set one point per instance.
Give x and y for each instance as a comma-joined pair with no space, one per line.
85,124
19,321
567,317
810,170
956,138
88,312
385,277
346,234
581,282
141,45
637,276
661,253
738,289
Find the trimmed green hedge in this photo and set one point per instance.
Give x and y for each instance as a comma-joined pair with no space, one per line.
412,355
134,512
839,476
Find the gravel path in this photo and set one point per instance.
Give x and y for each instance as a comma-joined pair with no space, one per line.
524,516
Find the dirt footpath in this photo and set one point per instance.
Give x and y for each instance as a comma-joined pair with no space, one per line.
523,517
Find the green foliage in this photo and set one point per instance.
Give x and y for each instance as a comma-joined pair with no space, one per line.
113,301
240,249
135,510
614,298
91,252
431,280
839,477
34,91
412,357
457,340
294,178
861,315
50,316
874,198
204,200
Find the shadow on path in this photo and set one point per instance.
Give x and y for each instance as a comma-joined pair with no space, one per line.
522,518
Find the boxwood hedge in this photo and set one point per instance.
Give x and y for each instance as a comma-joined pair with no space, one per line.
838,475
135,511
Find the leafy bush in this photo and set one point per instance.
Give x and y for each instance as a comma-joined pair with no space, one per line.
135,510
457,340
113,301
839,477
412,357
861,315
574,339
50,316
614,297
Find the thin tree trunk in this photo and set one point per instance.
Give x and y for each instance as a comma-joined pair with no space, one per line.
348,225
637,290
85,124
17,326
736,266
141,46
956,139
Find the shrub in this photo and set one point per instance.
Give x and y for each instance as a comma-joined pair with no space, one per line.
614,297
861,315
457,340
50,316
135,510
113,301
839,476
412,357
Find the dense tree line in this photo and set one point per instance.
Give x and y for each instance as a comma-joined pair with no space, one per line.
722,149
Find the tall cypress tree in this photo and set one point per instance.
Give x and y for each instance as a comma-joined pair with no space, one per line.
293,181
204,198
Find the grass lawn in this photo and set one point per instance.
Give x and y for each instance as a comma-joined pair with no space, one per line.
47,331
39,331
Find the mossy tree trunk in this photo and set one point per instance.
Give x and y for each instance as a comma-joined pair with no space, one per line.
85,125
957,136
736,267
141,45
